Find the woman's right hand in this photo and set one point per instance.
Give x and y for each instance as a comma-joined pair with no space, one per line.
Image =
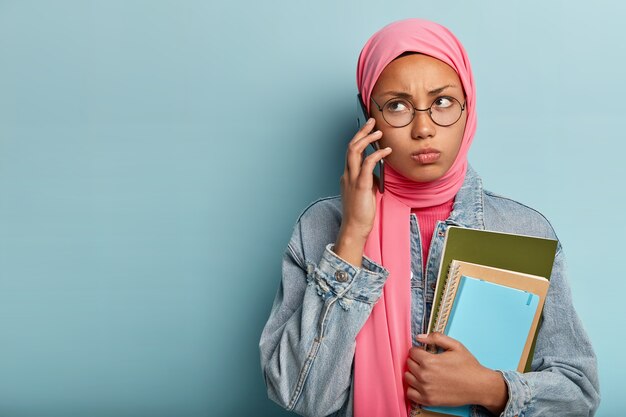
358,194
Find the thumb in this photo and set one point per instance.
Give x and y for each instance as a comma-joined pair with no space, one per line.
440,340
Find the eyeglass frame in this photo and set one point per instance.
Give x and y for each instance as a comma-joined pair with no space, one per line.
415,109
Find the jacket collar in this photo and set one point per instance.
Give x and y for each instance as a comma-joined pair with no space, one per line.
467,210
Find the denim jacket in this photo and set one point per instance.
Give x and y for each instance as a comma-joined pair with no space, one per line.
307,346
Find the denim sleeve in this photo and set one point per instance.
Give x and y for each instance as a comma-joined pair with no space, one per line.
564,376
307,345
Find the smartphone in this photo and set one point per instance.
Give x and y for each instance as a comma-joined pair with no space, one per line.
361,118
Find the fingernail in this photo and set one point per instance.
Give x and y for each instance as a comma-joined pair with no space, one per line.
421,336
370,120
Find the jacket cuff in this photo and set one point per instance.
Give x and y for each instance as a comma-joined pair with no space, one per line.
345,280
519,394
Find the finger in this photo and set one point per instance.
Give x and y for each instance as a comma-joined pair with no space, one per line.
364,130
414,367
418,355
363,142
367,170
411,381
355,153
414,395
439,339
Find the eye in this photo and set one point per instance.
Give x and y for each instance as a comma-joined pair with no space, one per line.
397,106
443,102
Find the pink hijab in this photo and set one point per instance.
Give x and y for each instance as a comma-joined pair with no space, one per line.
383,343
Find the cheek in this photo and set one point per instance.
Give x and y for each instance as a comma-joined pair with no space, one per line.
458,138
393,138
386,140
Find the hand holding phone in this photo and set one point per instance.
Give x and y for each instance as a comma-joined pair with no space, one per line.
362,118
358,193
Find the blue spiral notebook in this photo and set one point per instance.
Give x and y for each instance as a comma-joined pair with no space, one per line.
493,321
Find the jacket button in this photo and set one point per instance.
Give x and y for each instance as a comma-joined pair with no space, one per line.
341,276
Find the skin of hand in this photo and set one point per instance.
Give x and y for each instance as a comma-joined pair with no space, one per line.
358,193
453,377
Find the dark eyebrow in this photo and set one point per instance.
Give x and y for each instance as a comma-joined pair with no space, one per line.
397,94
440,89
430,93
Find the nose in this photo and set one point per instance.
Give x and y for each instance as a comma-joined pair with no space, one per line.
422,126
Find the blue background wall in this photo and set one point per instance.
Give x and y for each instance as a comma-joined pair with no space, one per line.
154,156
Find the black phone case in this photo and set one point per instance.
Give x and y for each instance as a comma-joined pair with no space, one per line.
362,117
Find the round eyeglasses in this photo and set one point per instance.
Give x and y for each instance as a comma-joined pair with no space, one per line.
399,112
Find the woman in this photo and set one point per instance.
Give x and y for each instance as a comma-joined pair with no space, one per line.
336,342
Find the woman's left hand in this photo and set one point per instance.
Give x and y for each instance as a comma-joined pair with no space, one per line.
453,377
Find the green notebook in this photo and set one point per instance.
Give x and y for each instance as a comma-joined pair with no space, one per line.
527,254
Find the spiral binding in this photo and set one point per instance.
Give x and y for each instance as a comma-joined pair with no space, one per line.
447,299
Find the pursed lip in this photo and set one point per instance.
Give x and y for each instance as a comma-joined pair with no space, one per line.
426,150
426,156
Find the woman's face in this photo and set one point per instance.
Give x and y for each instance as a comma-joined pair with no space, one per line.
422,151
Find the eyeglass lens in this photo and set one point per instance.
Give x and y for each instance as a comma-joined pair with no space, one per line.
444,111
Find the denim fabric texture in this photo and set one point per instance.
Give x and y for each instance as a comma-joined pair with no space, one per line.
307,345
